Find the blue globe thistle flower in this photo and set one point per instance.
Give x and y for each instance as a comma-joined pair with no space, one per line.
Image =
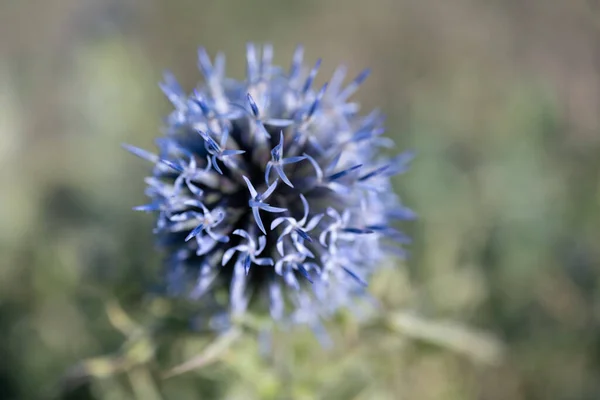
273,191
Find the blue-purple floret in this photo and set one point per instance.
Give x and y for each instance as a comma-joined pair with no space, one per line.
272,191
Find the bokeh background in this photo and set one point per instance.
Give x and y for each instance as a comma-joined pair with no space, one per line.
501,101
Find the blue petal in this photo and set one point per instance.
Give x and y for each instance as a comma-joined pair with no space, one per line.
211,146
216,165
304,273
315,104
343,173
278,122
356,277
171,89
253,105
358,231
146,155
229,153
148,207
311,76
374,173
354,85
172,165
304,235
259,222
292,160
266,207
296,61
204,64
247,262
251,189
403,213
252,64
195,232
283,176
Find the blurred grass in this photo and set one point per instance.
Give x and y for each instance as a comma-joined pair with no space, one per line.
499,99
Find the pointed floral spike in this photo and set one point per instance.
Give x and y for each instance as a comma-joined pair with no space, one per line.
267,59
337,79
172,89
258,220
296,62
229,153
304,273
269,191
278,150
253,192
349,91
253,105
279,122
195,232
247,263
316,166
220,65
204,63
252,63
403,213
358,231
146,155
315,104
172,165
304,235
311,76
216,165
366,134
147,207
283,176
356,277
343,173
374,173
401,163
292,160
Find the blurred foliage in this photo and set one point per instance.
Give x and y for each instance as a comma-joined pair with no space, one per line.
500,99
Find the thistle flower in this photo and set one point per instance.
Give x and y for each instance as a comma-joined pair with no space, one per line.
272,191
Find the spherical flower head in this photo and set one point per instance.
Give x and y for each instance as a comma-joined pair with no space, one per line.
272,191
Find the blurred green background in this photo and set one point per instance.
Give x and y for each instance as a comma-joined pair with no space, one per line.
501,101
